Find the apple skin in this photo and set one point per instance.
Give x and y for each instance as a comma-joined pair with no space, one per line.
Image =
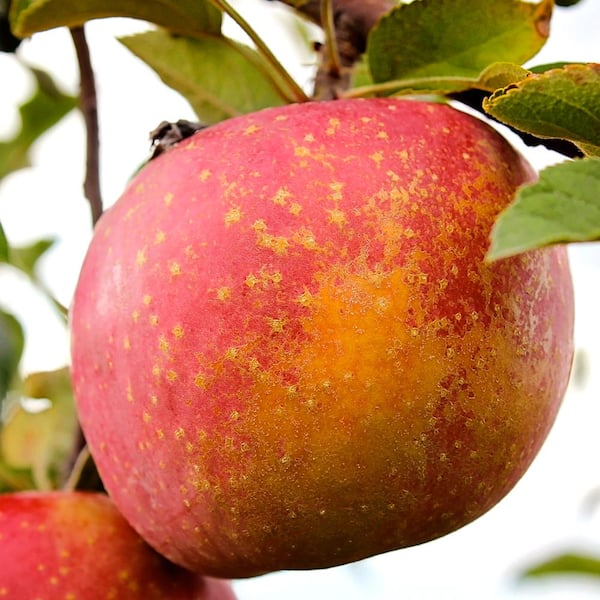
75,545
288,350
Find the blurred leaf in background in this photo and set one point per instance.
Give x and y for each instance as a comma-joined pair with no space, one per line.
219,77
40,439
11,348
45,108
565,564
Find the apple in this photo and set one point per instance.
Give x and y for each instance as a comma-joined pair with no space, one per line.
73,545
289,351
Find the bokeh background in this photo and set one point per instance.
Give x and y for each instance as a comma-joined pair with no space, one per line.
555,508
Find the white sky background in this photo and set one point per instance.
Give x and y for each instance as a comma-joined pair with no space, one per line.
543,513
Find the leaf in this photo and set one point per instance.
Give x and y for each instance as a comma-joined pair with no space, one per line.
566,564
458,38
42,441
12,480
25,258
559,103
563,206
549,66
190,17
4,250
45,108
361,75
219,77
499,75
11,349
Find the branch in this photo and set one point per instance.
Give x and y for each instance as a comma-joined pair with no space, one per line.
89,108
91,188
352,22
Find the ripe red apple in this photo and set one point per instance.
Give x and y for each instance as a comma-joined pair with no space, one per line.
68,546
288,350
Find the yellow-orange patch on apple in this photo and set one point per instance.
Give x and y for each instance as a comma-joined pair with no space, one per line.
313,363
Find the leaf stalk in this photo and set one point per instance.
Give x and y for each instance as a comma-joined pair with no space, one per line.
334,66
292,92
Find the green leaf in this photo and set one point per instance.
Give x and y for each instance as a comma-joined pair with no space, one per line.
563,206
11,350
12,480
190,17
45,108
361,75
566,564
26,258
219,77
499,75
42,441
559,103
459,38
549,66
4,249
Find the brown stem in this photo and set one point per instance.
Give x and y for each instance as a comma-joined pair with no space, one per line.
352,21
91,188
89,108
